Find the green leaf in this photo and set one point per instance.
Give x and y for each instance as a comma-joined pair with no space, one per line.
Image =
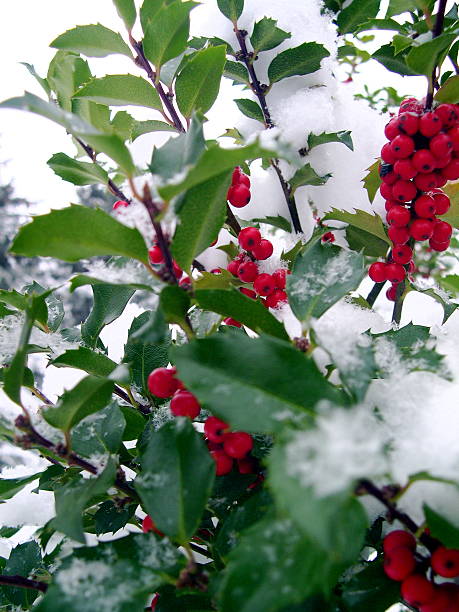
378,24
149,9
440,296
224,369
140,128
88,396
66,72
321,276
13,298
109,303
127,11
266,35
120,90
452,216
386,56
87,360
250,108
167,34
297,61
23,561
176,478
72,499
372,181
144,357
370,237
111,517
237,72
92,40
202,214
350,18
344,136
232,303
450,283
400,43
449,91
198,84
232,9
174,303
77,172
43,82
423,58
307,176
441,528
396,7
99,433
279,221
370,589
78,232
9,487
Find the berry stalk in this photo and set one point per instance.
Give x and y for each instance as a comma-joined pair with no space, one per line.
23,583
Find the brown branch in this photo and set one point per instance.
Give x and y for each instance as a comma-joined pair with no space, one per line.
23,583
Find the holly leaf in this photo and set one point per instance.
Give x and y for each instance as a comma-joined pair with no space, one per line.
9,487
24,560
440,296
365,232
449,91
266,35
250,109
120,90
395,62
237,72
307,176
232,9
127,11
77,172
441,528
278,221
351,17
344,136
92,40
109,304
174,303
372,181
99,433
139,128
300,60
87,360
369,589
422,59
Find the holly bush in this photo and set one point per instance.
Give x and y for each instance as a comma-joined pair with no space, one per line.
238,458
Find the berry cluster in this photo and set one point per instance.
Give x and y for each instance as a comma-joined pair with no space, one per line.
156,257
401,564
422,155
226,446
163,383
239,193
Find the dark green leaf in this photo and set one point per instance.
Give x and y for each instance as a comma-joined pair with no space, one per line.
355,13
87,360
396,7
442,528
176,479
120,90
307,176
344,137
92,40
424,58
135,422
297,61
126,10
198,84
109,303
266,35
237,72
110,517
386,56
279,221
378,24
250,108
449,91
224,369
99,433
365,232
78,232
9,487
370,589
23,561
174,303
232,9
77,172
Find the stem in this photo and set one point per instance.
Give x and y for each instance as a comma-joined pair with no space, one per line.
24,583
374,293
200,550
232,221
259,91
41,396
397,312
438,29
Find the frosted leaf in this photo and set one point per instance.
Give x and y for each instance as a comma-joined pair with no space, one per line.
119,271
10,330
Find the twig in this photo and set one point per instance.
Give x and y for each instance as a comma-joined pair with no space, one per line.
438,29
397,312
200,550
374,293
232,221
288,197
23,583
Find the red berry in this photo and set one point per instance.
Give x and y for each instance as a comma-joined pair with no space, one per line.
442,231
275,298
421,229
425,206
184,403
264,284
448,114
263,250
398,235
185,283
453,133
214,429
249,237
239,195
439,246
391,293
244,180
424,161
148,524
410,105
398,216
162,382
247,271
392,129
442,202
430,124
387,154
395,272
223,463
280,278
399,563
247,465
156,255
154,601
236,177
377,272
386,191
177,269
441,145
441,180
408,123
233,267
390,178
237,444
402,146
389,203
445,562
451,171
440,603
120,204
328,237
424,182
442,162
417,590
402,254
249,293
397,538
403,191
405,169
232,322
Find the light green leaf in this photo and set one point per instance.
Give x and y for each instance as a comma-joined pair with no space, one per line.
250,108
140,128
198,84
344,136
297,61
43,82
237,72
423,58
66,72
120,90
149,9
127,11
372,181
266,35
400,43
100,433
77,172
442,528
78,232
92,40
174,303
232,9
449,91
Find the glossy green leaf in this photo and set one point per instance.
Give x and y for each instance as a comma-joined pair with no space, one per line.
355,13
237,72
321,276
24,559
365,232
278,221
109,303
202,214
250,108
232,9
449,91
167,34
127,11
92,40
99,433
423,58
344,136
110,517
9,487
87,360
300,60
386,56
224,369
176,478
266,35
400,43
307,176
88,396
120,90
174,303
77,172
396,7
78,232
149,9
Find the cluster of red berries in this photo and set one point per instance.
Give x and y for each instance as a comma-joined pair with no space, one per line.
163,383
401,564
156,257
422,155
226,446
239,193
